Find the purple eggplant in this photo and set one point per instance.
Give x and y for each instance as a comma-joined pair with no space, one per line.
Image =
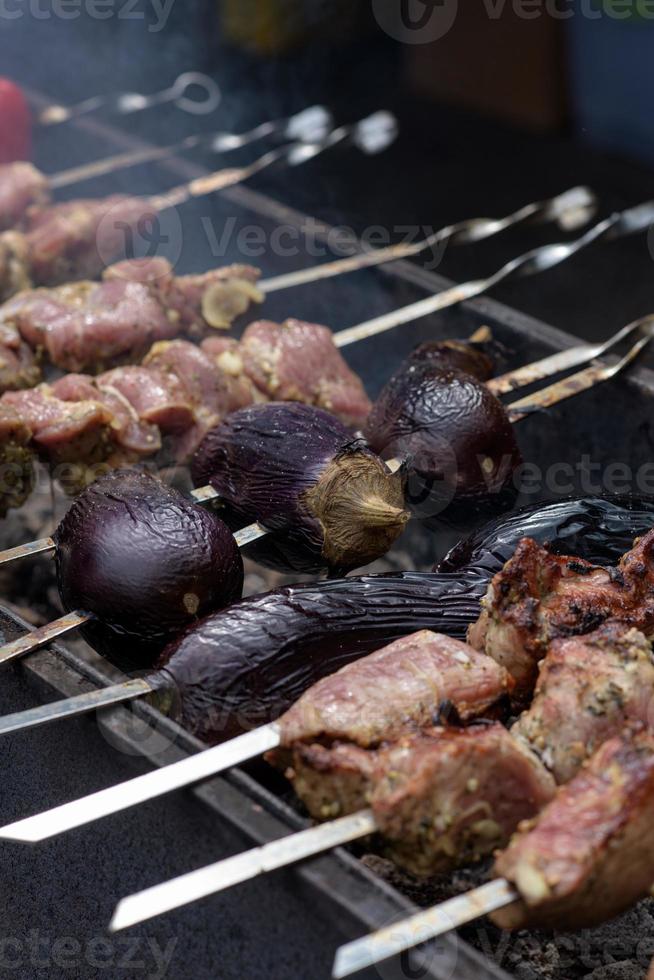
456,437
146,561
328,499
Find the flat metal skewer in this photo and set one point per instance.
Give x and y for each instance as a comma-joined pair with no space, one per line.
312,124
416,929
127,103
214,760
242,867
546,397
571,209
537,260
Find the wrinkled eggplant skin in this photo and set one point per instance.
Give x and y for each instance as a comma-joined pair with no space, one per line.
262,460
446,422
457,355
147,561
597,529
245,666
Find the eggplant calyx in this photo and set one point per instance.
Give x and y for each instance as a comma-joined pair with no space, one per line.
360,507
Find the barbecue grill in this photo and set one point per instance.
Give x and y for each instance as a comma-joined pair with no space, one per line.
289,924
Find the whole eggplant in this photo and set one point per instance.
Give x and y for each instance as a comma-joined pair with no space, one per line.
146,561
456,436
246,665
297,470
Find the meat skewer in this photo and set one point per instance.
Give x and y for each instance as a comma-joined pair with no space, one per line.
548,396
24,187
584,859
86,315
440,799
76,240
618,659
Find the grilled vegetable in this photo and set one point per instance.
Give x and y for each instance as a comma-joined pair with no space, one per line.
298,471
459,444
253,660
146,561
246,665
599,530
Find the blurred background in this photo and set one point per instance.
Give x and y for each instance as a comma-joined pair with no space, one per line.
500,102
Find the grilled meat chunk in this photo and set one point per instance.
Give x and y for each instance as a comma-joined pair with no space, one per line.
298,361
89,326
588,688
441,798
18,365
403,685
21,186
538,597
590,854
16,459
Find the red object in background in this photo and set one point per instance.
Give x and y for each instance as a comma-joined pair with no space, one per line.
15,123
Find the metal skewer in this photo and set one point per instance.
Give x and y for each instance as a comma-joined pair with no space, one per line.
509,382
127,103
399,938
537,260
310,125
214,760
571,209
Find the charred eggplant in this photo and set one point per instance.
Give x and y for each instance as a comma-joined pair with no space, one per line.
246,665
146,561
330,501
456,436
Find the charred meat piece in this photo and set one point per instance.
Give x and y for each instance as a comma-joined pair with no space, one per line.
298,361
18,365
16,459
146,561
539,596
77,433
590,854
456,436
156,396
441,798
297,470
405,684
589,688
22,186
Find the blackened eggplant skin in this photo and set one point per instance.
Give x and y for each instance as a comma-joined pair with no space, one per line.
457,355
296,469
459,443
597,529
246,665
146,561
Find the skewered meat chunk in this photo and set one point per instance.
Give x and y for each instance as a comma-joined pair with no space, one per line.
90,326
298,361
16,459
589,687
590,854
21,187
18,365
404,684
14,264
441,798
538,597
